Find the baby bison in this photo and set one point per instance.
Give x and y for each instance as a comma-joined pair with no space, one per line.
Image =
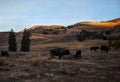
104,49
78,54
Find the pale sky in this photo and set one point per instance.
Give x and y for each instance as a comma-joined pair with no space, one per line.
20,14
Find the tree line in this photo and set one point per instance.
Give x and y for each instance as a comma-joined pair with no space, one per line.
25,42
113,41
83,35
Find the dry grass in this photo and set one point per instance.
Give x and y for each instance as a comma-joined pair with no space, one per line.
36,65
102,24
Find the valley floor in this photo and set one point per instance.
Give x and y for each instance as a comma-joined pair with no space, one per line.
93,67
37,66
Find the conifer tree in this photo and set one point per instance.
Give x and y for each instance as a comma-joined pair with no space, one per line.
25,43
12,41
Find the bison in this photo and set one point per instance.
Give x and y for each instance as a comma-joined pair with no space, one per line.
95,48
104,48
5,53
78,54
59,52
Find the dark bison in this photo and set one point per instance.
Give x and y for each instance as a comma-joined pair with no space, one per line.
95,48
78,54
5,53
104,49
59,52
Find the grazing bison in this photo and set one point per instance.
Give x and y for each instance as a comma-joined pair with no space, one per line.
95,48
104,48
78,54
5,53
59,52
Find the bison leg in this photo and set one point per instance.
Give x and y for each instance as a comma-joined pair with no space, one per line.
106,50
59,57
79,57
52,55
95,50
91,49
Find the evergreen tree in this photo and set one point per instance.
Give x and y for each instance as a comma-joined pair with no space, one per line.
81,36
12,41
25,43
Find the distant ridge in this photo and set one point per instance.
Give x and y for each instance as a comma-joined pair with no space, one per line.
47,27
104,24
86,24
114,20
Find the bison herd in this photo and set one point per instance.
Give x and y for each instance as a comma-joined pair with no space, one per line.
60,52
103,48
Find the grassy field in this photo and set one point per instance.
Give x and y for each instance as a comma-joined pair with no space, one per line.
37,65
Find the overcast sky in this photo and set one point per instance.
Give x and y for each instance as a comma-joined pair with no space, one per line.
20,14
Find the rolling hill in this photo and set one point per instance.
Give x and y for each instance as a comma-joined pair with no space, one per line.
60,34
102,24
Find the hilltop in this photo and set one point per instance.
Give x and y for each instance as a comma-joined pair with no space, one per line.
80,25
102,24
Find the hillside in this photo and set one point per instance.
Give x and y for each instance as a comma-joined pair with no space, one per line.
114,31
102,24
110,23
88,25
60,34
